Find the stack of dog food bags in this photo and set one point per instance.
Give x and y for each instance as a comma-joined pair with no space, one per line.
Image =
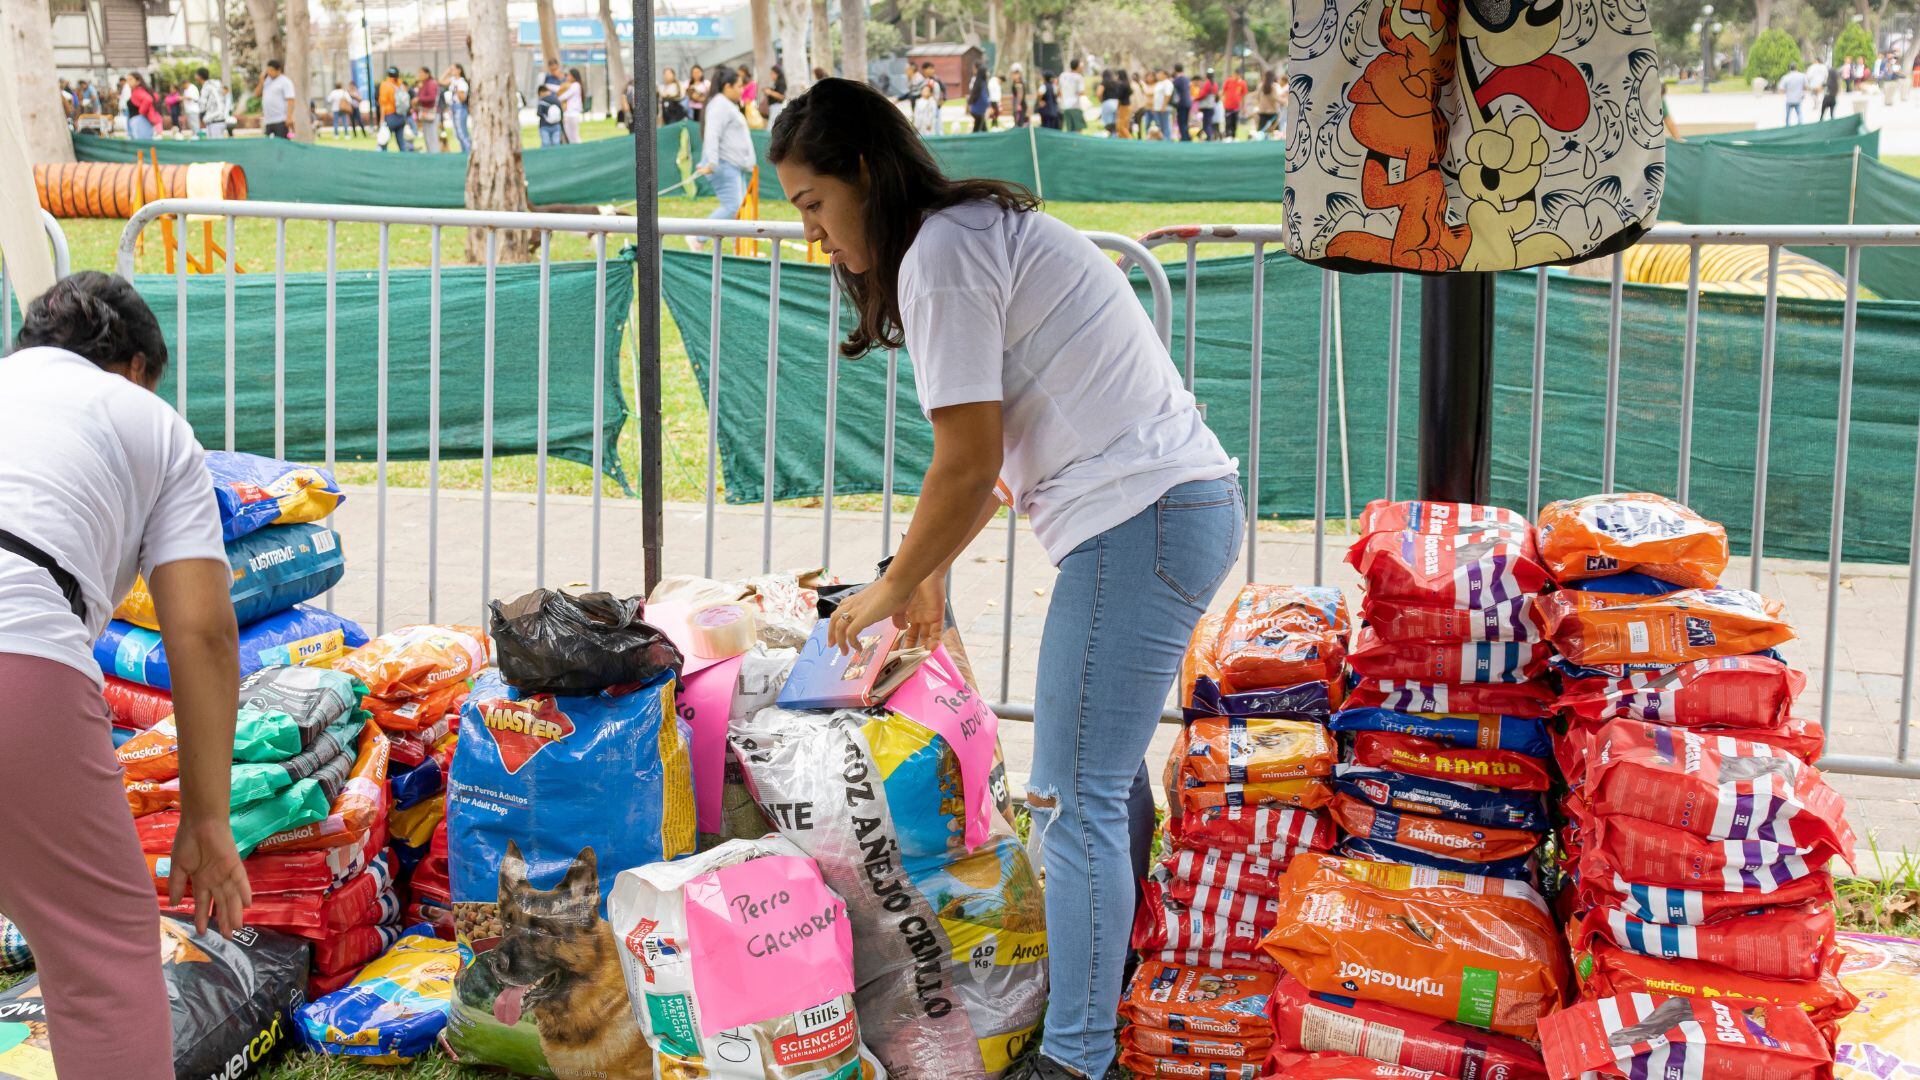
572,765
308,805
884,766
1698,834
281,554
1245,783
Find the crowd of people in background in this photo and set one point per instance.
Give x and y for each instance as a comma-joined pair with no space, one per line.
199,106
432,110
1157,104
1819,85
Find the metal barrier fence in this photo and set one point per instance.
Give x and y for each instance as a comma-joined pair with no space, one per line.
57,244
1137,253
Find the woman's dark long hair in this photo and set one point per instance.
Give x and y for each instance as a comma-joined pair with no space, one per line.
836,127
99,316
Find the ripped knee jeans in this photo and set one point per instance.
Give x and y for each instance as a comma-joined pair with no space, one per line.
1122,609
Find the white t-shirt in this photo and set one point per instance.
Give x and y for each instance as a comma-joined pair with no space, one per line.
456,92
1817,77
107,479
1162,95
1073,86
1795,86
274,98
1018,307
190,98
337,100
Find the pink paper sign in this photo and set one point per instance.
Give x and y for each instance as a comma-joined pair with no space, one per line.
768,938
706,704
937,697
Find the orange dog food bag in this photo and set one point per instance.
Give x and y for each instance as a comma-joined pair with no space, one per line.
1694,624
1601,535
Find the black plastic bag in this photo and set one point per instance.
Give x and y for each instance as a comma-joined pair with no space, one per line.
551,642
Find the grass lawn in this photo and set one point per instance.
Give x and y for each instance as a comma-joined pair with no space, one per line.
590,130
1906,163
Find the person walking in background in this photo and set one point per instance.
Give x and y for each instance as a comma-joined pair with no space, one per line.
356,108
394,102
1109,102
190,107
775,92
426,111
339,104
551,115
1794,85
749,94
1166,103
995,93
1049,107
1267,105
1829,90
1072,90
673,98
1182,102
456,91
216,107
169,104
1816,80
726,153
143,114
276,102
1233,98
926,109
1017,95
697,87
572,104
977,99
1206,100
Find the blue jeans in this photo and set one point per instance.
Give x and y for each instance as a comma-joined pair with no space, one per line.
1164,118
1793,113
1123,607
397,128
460,127
730,187
552,135
339,124
139,127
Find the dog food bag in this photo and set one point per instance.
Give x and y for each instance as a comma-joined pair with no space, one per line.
1519,734
1238,749
739,965
1597,628
367,898
1367,849
231,1001
344,951
1782,942
1649,534
300,635
154,754
1416,756
1308,793
358,804
949,949
1270,832
1155,1042
1468,804
254,492
314,697
1524,699
1437,836
1378,657
1177,1066
1694,907
553,642
413,661
136,707
1478,950
14,953
1199,1001
393,1010
1441,518
1189,871
1616,845
273,569
1881,1039
1309,701
1715,786
1446,555
1604,970
1306,1021
1730,691
1407,620
1644,1035
1333,1065
1202,658
418,713
535,839
1162,923
1281,635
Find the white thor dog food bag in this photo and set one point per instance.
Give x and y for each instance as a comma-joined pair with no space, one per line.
739,965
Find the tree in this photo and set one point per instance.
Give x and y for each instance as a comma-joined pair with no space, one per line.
616,58
822,49
793,44
549,32
1853,41
28,67
298,59
1131,33
1774,53
762,13
268,44
496,175
853,39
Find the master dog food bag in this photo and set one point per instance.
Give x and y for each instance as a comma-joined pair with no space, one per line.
548,798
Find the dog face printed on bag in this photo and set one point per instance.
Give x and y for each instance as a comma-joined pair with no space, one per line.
556,962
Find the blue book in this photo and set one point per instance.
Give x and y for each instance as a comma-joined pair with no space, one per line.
826,678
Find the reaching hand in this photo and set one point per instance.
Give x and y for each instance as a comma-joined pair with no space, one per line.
925,614
203,853
883,599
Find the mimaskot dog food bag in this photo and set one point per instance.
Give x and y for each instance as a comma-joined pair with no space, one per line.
548,798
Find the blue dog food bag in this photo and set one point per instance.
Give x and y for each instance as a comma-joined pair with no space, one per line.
255,492
548,799
273,569
301,636
393,1010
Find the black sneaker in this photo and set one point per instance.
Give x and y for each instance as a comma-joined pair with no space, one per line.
1038,1066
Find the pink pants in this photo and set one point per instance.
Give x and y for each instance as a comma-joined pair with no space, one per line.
73,879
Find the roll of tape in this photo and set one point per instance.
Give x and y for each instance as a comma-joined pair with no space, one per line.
721,631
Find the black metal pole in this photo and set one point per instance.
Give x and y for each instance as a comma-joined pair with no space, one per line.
646,286
1456,387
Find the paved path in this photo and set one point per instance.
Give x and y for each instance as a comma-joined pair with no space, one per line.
1867,662
1898,124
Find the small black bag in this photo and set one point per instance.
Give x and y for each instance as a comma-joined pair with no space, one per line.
551,642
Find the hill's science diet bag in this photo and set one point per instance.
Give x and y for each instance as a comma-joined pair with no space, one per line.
549,798
739,965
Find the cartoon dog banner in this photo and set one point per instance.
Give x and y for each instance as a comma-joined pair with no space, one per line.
1441,135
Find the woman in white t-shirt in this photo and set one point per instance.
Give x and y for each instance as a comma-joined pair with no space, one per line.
101,480
1045,379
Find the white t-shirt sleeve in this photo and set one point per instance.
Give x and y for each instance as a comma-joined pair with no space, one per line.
185,522
953,312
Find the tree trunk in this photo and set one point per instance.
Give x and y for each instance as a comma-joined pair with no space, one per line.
549,32
267,45
822,49
28,61
853,39
616,60
496,176
996,32
1019,50
1762,16
762,12
793,44
299,52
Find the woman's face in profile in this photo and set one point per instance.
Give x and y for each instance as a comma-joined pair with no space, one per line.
832,211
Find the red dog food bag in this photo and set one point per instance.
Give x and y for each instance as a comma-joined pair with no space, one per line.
1637,1036
1307,1021
1436,836
1199,1068
1274,833
1461,570
1694,907
1637,850
1199,1001
1161,922
1694,624
1715,786
1406,620
1378,657
1443,518
1427,757
1599,535
1232,871
1331,1065
1605,970
1728,691
1249,749
1506,699
1282,635
1215,959
1154,1042
1206,898
1790,942
1309,792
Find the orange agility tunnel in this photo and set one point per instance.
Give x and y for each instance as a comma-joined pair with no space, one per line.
115,189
